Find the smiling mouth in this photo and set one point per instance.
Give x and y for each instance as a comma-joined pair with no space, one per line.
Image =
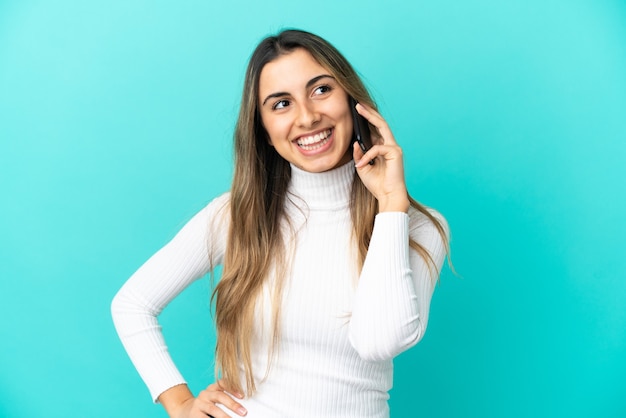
313,142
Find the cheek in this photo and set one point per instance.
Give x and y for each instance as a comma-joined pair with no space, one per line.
276,128
341,111
345,116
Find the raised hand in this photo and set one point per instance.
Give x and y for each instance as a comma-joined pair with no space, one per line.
385,178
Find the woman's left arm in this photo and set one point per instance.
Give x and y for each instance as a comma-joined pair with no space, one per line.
392,301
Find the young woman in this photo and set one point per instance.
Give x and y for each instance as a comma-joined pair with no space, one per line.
328,264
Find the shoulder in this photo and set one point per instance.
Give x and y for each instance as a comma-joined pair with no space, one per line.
217,211
211,225
218,205
212,218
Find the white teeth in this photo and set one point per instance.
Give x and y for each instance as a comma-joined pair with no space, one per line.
314,141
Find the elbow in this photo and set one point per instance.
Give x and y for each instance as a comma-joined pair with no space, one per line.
386,344
125,308
372,353
117,307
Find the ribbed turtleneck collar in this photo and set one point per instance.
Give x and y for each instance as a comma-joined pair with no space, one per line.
323,191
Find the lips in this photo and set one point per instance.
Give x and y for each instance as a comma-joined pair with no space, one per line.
313,142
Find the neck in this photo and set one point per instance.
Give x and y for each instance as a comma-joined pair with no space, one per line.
322,191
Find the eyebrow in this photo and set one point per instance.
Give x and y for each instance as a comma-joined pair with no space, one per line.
308,85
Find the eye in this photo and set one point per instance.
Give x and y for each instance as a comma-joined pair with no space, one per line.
281,104
322,89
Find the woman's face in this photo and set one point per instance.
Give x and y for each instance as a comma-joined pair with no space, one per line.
305,112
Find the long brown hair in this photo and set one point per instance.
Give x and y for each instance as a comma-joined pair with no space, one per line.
255,246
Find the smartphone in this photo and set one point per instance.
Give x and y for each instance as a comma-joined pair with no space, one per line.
361,129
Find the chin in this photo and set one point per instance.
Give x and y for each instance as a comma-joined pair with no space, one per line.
322,166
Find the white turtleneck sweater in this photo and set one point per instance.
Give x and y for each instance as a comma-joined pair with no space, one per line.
339,331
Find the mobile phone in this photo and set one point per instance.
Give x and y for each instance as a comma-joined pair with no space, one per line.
361,129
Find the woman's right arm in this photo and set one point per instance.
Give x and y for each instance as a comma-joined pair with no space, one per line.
167,273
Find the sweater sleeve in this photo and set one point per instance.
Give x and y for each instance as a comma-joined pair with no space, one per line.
392,299
159,280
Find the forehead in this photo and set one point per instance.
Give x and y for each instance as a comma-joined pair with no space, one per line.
289,72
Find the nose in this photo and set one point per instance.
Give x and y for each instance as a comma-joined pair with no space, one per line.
308,116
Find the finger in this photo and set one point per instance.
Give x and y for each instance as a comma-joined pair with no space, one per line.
211,396
378,121
216,412
361,159
235,406
217,397
368,157
369,110
212,410
209,409
371,115
222,385
357,152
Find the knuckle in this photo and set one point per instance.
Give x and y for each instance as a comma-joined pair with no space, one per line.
207,392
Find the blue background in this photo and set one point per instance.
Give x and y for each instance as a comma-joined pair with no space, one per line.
116,121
